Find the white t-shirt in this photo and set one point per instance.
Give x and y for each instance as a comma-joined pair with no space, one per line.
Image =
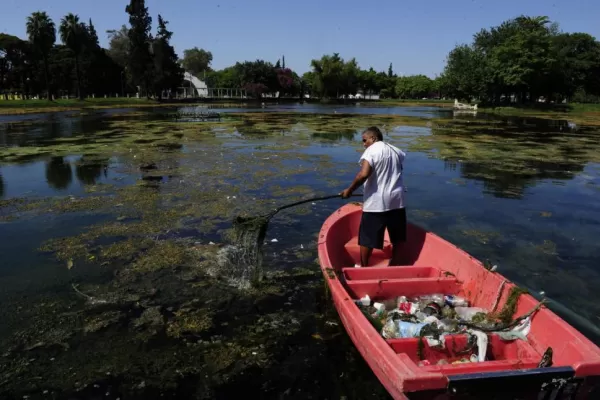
383,190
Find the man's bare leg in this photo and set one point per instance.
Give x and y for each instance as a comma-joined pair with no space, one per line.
365,254
396,254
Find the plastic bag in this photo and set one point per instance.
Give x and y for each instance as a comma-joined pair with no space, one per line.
408,329
467,313
390,330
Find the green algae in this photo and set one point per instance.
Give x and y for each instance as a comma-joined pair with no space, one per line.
165,254
187,322
481,236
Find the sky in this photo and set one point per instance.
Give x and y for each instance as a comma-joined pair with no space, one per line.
415,36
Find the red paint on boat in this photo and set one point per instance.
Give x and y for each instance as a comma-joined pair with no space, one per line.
432,265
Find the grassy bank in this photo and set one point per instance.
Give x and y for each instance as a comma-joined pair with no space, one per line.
34,106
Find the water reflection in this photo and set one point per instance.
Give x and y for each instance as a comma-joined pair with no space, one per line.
88,171
335,136
58,173
512,154
1,186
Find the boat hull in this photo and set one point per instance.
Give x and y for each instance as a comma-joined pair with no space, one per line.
433,265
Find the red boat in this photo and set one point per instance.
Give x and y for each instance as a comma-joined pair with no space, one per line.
409,368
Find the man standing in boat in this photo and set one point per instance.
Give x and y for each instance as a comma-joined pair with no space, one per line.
383,200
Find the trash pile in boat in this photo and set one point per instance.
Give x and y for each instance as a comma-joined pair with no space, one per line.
430,317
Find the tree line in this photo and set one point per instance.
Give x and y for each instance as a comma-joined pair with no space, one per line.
524,59
79,65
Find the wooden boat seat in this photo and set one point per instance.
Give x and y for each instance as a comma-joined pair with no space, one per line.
399,272
388,288
516,354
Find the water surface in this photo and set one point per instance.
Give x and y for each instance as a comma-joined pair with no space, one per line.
130,207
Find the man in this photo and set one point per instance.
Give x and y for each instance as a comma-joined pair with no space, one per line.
383,200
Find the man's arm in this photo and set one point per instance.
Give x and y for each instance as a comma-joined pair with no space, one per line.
361,177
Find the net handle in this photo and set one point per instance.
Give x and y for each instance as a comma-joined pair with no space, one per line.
313,199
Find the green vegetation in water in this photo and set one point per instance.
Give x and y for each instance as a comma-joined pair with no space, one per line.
506,155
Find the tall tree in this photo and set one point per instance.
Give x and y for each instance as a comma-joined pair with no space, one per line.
140,63
283,62
168,72
73,34
92,35
390,71
196,61
42,35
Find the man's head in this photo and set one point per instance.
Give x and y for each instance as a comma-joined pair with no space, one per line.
371,135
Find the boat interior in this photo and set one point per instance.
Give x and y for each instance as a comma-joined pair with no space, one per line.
432,265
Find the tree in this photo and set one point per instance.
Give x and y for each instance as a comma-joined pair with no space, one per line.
390,71
14,53
168,73
92,36
258,77
119,45
522,60
140,63
42,35
414,87
465,74
196,61
73,34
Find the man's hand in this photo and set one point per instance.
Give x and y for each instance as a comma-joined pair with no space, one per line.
346,193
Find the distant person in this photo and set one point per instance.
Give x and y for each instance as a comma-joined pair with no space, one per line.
383,200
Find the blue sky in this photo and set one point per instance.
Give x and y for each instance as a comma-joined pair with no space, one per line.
414,35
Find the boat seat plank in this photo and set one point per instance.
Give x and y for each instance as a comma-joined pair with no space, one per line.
388,288
487,366
395,272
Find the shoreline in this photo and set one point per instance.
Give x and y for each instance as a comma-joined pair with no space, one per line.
586,114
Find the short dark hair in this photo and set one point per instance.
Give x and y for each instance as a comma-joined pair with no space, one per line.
375,132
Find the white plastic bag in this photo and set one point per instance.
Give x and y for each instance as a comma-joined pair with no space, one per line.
467,313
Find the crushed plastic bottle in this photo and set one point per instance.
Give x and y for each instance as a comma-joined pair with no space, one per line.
408,329
456,301
437,298
390,330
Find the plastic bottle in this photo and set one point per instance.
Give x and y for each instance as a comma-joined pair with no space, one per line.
456,301
437,298
364,301
380,310
467,313
408,329
390,330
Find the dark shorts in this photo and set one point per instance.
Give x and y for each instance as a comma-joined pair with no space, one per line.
373,225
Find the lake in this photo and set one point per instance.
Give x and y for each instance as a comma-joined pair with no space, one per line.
112,222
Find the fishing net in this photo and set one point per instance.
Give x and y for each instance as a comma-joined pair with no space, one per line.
241,262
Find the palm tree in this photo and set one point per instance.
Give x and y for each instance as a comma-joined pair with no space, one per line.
42,35
72,34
